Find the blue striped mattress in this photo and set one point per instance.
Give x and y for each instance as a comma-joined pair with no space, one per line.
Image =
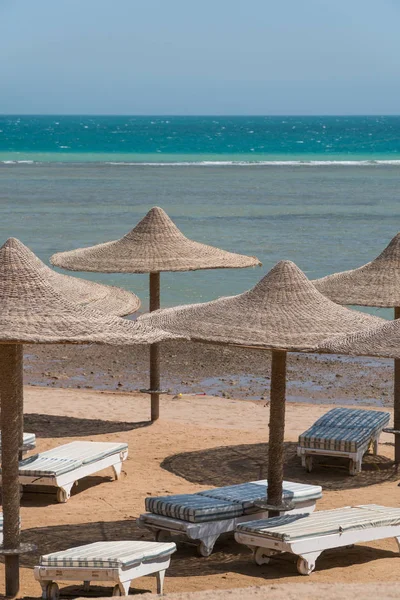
344,429
113,555
29,440
324,522
226,502
67,458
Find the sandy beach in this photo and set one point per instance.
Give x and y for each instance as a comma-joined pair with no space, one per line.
199,442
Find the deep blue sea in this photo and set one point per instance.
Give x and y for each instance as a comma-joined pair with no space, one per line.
321,191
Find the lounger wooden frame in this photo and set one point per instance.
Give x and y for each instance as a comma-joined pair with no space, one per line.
120,577
64,482
308,549
205,534
355,458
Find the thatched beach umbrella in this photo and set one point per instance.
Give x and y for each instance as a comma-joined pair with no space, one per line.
153,246
33,310
107,298
375,284
284,313
382,341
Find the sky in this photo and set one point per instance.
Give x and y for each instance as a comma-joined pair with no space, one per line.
214,57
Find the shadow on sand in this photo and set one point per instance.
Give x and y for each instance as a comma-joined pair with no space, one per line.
55,426
229,465
229,556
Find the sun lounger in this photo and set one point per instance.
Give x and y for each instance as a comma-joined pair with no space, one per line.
204,516
308,535
63,466
29,442
346,432
115,562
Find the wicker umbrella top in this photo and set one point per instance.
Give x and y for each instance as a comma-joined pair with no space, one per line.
383,341
32,309
283,311
107,298
375,284
154,245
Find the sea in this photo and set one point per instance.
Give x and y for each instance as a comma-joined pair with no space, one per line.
321,191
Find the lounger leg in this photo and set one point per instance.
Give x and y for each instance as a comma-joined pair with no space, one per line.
207,545
162,536
43,584
262,556
86,586
306,562
64,492
375,444
398,541
117,470
309,463
122,588
355,466
160,581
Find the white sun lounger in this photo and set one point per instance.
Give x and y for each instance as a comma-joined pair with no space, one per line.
115,562
63,466
346,432
203,517
29,442
309,535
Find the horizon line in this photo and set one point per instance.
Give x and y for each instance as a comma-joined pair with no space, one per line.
51,114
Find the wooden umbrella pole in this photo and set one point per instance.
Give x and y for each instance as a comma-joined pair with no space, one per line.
155,349
11,367
396,400
276,430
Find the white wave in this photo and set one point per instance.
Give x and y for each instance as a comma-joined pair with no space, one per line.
261,163
224,163
17,162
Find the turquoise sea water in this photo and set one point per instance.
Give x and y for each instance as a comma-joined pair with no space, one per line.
321,191
199,139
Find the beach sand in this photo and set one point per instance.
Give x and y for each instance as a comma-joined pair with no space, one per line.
199,442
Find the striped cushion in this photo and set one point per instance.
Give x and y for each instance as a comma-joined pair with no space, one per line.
29,439
67,458
115,555
344,429
86,452
354,417
193,508
248,493
324,522
336,438
42,466
225,502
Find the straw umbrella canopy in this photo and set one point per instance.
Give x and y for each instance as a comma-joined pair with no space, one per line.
107,298
153,246
33,310
382,341
375,284
284,313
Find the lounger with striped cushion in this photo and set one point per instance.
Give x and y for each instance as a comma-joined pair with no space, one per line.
61,467
346,432
29,442
204,516
308,535
115,562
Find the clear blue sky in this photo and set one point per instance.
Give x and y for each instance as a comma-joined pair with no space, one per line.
204,57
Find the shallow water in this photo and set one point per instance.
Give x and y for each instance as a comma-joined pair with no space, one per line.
324,218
